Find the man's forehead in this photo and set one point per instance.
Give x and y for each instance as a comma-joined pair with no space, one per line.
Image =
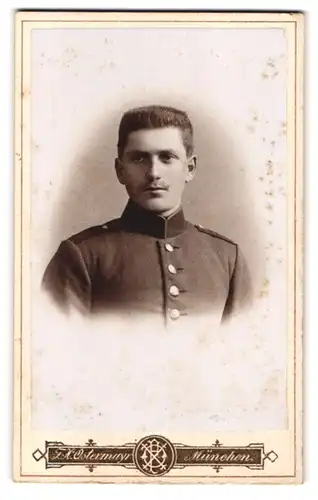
157,138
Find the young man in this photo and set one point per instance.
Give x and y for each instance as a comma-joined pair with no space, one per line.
151,260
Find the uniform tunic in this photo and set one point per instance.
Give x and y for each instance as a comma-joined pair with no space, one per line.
145,263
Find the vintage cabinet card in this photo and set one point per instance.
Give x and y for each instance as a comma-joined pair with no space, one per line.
158,247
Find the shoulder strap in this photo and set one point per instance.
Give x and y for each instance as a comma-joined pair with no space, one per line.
94,231
214,234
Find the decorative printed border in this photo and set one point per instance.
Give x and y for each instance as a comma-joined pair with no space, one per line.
154,455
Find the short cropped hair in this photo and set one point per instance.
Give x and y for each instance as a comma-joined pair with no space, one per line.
156,116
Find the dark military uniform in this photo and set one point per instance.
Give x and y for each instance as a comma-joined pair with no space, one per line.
146,263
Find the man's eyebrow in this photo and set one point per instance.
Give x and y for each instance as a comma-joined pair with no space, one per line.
168,151
156,151
137,151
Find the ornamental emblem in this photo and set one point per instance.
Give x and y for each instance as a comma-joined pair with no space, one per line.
154,455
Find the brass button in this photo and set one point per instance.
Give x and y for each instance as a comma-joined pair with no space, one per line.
174,291
174,314
168,247
172,269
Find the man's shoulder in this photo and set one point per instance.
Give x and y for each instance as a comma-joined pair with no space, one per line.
214,234
95,232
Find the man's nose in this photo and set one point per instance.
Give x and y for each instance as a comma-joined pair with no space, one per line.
153,171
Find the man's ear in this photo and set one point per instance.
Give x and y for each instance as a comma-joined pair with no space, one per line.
192,166
119,167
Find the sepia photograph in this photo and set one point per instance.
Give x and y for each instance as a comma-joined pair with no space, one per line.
158,247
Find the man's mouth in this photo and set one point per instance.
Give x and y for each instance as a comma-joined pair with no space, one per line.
156,188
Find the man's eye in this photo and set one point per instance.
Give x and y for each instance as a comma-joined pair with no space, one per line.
166,157
138,158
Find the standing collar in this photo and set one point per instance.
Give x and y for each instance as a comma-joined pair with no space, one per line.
137,219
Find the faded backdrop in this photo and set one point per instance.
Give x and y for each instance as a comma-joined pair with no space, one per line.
232,83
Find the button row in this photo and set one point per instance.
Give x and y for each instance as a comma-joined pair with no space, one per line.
173,290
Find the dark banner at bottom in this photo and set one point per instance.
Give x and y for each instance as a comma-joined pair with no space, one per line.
154,455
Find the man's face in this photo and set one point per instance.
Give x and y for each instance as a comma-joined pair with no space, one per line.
154,168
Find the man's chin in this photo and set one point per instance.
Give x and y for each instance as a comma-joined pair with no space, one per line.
155,205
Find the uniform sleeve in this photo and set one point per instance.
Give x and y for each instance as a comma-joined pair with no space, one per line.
67,280
240,290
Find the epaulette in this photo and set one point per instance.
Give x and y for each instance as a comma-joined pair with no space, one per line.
94,231
111,225
214,234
